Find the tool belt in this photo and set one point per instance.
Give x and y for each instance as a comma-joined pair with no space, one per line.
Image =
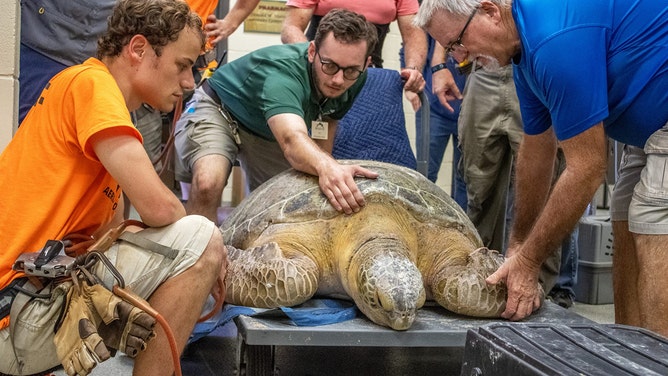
50,265
8,294
114,319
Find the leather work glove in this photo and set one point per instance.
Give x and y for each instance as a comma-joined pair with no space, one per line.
95,322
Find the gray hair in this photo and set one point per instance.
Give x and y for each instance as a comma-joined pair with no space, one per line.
455,7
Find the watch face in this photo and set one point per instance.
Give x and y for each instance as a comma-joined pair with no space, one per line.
438,67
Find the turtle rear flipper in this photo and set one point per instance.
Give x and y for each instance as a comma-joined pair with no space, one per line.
263,277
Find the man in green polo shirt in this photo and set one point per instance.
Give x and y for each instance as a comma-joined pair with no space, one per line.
277,108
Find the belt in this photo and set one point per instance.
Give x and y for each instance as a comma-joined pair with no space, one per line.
233,123
210,92
226,113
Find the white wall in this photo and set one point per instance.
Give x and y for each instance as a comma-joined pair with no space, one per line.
239,44
9,69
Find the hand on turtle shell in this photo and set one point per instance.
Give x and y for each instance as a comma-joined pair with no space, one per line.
338,185
524,293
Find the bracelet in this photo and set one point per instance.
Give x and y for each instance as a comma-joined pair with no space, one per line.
438,67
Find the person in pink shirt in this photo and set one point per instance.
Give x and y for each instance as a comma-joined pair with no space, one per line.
303,13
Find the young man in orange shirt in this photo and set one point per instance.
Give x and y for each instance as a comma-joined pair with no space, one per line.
64,173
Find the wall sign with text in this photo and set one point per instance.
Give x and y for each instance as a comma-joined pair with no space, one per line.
267,17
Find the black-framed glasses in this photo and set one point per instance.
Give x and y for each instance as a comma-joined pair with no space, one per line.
331,68
457,45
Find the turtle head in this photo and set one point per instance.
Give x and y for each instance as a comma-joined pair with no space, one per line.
385,284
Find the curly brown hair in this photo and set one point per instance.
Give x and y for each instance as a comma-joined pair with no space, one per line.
160,21
347,27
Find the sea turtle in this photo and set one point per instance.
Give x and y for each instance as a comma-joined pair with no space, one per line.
410,242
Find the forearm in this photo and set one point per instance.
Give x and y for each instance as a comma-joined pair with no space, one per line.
292,34
305,155
566,204
218,30
438,55
415,43
156,204
239,12
541,226
125,159
533,177
294,24
302,152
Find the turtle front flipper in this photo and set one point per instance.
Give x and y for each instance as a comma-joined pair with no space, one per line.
263,277
462,288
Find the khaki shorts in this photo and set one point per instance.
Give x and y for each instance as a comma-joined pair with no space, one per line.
641,191
201,131
33,349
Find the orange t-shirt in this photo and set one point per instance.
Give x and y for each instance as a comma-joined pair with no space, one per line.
203,8
52,183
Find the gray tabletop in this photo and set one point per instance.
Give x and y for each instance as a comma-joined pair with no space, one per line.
434,327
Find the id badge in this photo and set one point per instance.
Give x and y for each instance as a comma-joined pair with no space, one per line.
319,129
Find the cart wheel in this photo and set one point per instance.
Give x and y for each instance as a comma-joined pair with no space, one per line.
259,361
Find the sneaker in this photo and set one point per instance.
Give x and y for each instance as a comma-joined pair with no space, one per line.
561,297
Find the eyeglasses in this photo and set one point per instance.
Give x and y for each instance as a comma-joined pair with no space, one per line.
331,68
457,46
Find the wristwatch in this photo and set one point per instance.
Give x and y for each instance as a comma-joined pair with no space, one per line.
438,67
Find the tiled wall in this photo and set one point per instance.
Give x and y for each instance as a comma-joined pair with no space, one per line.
239,44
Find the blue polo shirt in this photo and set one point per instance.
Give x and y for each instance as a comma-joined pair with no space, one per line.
587,61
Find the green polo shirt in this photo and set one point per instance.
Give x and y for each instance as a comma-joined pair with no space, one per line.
276,80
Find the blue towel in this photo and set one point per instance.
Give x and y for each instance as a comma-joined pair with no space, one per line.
311,313
321,312
375,127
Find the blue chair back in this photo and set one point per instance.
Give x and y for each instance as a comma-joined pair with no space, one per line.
375,127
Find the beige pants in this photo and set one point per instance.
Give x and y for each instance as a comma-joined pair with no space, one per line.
32,349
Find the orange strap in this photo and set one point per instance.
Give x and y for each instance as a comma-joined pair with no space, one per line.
80,244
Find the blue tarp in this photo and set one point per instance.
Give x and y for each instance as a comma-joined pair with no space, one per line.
312,313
